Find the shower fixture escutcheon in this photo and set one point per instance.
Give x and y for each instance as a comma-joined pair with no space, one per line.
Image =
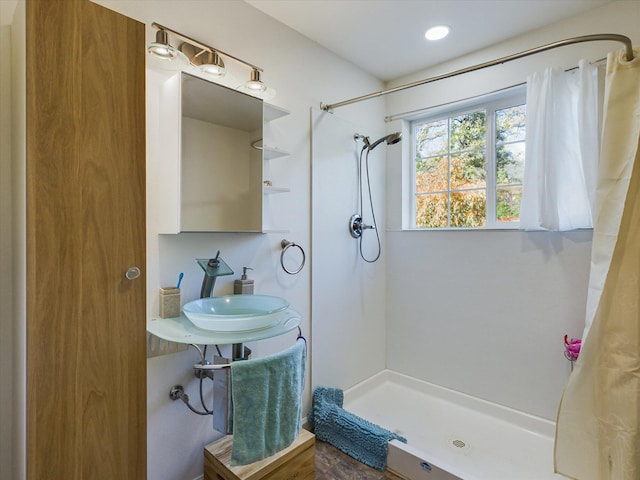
357,226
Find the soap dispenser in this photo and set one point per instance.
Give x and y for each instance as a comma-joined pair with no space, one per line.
243,285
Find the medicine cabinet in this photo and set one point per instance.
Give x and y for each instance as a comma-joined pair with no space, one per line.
210,173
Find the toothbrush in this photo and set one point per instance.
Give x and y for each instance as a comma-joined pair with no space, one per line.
180,279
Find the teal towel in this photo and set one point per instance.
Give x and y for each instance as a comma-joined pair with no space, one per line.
267,403
349,433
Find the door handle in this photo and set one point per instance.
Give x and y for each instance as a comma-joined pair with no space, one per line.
132,273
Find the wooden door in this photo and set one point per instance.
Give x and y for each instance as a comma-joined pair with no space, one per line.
86,362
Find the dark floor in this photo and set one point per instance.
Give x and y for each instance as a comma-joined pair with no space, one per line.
332,464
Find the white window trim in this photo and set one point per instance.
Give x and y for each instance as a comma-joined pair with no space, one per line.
492,102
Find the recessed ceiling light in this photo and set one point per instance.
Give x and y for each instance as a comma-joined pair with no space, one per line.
437,33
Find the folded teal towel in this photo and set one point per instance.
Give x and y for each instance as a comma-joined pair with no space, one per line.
267,403
349,433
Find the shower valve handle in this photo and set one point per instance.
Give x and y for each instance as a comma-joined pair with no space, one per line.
357,226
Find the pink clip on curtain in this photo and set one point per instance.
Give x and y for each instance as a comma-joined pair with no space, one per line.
598,426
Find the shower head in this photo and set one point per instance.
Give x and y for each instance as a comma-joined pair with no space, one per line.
390,139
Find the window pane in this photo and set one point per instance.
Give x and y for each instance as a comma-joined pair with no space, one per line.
468,209
468,131
431,210
510,163
467,170
510,124
432,139
431,175
458,171
508,204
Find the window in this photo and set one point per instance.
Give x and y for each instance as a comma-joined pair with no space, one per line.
468,166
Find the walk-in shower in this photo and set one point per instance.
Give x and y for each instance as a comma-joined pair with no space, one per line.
356,223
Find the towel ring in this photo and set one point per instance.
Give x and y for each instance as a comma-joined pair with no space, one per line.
209,366
286,244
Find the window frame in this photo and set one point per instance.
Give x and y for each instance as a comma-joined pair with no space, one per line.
490,103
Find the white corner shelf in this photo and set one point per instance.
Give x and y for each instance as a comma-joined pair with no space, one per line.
269,152
272,112
274,190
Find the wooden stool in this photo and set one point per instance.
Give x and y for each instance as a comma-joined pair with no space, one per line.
294,462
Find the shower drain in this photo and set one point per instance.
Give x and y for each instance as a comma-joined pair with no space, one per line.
458,444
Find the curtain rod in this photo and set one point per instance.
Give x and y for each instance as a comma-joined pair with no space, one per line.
569,41
419,111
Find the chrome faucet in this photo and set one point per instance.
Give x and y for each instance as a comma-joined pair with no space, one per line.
213,268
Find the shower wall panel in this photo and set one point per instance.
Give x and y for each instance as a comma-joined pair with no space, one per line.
348,303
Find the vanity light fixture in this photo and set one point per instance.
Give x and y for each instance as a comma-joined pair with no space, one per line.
255,87
161,47
437,32
207,59
213,65
255,83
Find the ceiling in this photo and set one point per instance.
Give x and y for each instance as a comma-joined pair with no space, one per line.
386,37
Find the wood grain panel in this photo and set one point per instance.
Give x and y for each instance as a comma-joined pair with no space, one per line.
294,462
86,358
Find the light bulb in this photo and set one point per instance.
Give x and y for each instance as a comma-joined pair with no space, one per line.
213,70
256,86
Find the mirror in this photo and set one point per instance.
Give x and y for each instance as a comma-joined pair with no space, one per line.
221,168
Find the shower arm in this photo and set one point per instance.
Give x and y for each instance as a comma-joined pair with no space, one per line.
561,43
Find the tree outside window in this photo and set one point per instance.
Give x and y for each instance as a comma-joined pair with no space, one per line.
453,156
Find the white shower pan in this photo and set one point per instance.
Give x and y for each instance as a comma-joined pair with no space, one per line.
452,436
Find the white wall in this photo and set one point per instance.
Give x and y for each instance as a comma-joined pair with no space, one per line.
303,75
6,245
484,312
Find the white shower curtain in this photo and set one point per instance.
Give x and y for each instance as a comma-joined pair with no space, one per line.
598,426
562,149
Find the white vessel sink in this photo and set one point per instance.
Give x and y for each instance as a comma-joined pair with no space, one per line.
236,313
